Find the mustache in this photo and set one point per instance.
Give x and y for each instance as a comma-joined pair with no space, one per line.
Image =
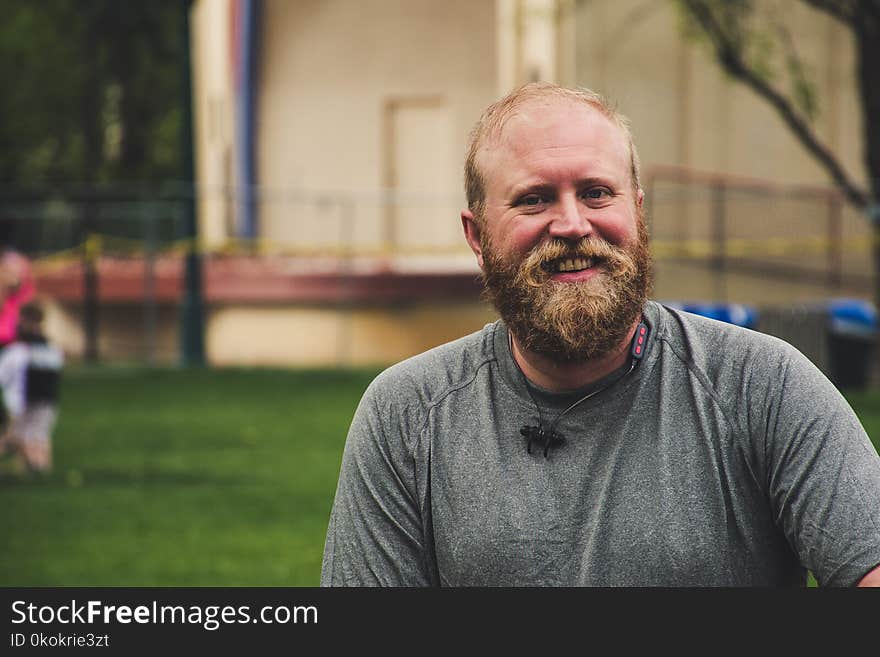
538,263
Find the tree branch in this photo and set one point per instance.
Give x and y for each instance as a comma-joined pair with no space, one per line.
731,58
842,10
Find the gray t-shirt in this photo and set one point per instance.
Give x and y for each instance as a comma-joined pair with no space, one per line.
724,458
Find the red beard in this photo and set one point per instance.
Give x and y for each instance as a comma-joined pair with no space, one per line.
572,321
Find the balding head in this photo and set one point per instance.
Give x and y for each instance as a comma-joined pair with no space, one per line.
488,130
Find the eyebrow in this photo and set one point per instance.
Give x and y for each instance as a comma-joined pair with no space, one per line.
537,186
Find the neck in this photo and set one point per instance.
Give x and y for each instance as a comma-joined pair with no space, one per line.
563,376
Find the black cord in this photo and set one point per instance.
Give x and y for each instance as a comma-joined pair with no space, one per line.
550,437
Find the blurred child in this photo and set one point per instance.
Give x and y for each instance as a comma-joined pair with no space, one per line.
16,289
30,373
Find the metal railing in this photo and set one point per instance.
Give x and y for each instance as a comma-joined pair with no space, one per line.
737,227
742,240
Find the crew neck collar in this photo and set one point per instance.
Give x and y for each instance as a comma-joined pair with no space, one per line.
512,375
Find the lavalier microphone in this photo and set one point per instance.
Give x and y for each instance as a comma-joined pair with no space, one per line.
550,437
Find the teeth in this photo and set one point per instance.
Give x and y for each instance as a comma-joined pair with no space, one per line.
575,264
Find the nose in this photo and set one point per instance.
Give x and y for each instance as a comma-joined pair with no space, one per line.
570,220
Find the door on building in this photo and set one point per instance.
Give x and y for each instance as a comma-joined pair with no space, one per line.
420,172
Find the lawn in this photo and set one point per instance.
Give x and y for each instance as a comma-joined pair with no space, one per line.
182,478
191,478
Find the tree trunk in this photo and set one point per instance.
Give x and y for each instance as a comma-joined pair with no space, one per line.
867,34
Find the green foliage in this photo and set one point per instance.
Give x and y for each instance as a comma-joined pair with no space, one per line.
92,87
803,93
753,34
760,53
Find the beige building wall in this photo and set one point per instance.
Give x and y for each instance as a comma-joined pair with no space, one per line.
363,111
311,336
214,116
685,111
364,108
359,99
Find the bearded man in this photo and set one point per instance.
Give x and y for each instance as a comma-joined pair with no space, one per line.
591,436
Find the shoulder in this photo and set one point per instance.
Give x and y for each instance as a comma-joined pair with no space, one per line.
762,384
427,377
400,399
745,372
714,348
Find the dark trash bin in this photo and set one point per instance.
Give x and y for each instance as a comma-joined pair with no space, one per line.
852,329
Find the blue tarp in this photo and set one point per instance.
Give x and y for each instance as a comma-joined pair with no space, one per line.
732,313
852,317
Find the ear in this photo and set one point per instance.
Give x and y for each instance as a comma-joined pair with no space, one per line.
472,234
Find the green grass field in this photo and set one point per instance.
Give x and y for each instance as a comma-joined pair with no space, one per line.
191,478
182,478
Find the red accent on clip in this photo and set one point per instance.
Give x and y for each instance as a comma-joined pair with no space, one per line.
639,340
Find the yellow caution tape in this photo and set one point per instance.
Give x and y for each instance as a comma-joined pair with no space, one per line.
97,245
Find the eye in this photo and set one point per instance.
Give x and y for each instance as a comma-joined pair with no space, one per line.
531,200
596,193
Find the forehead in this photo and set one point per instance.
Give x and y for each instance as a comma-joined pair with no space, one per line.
556,133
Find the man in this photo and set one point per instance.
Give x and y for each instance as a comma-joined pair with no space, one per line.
592,437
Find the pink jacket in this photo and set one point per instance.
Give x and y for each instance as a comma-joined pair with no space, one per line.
10,308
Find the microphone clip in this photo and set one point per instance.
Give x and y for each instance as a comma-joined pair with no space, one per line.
546,437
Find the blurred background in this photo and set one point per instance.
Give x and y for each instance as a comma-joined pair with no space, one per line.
235,212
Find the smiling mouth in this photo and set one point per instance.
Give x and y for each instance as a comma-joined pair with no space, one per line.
565,265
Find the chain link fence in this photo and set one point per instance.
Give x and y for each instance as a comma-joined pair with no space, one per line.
714,239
